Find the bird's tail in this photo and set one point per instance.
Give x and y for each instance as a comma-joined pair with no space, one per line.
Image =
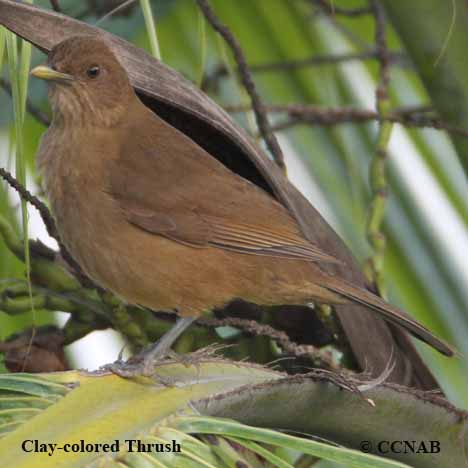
389,312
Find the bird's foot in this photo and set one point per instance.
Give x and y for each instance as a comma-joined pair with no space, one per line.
140,366
144,363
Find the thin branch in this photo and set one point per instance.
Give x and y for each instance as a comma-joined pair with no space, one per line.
290,347
34,201
49,223
408,121
247,81
377,171
303,114
332,115
382,52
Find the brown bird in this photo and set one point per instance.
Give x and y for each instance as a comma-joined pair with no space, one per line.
151,216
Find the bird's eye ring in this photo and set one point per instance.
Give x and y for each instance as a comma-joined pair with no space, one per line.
93,72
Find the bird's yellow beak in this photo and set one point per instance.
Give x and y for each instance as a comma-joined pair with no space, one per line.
46,73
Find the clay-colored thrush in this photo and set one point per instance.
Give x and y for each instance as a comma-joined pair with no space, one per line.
151,216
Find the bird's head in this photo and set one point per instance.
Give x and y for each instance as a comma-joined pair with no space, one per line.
88,85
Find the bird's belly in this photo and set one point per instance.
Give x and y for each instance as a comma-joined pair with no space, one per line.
143,268
163,274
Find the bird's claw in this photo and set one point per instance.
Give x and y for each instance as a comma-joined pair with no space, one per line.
140,366
145,363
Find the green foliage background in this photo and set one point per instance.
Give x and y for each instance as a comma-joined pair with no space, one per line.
420,275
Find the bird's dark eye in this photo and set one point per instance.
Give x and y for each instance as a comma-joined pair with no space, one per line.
93,72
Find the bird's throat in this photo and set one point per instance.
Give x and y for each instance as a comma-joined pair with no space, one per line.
76,108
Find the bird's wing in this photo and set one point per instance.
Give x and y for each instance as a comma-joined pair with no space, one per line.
199,230
167,185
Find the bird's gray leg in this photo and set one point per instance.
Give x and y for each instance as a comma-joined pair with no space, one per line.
150,355
163,345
